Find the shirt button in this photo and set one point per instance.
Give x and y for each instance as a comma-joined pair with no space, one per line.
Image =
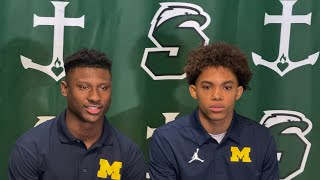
84,170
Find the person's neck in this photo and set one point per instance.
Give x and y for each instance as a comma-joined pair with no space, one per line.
216,126
89,133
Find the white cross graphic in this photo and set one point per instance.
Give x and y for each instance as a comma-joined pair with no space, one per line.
59,22
283,60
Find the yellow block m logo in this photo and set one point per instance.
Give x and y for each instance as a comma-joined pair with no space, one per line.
237,154
106,169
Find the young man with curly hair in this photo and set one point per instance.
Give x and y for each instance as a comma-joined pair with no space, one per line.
80,143
214,142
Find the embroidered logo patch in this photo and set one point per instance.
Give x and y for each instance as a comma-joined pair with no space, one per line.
195,157
237,155
106,169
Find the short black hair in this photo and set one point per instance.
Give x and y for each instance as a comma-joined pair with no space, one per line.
87,58
219,54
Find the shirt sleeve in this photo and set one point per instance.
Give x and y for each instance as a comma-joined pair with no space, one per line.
136,169
160,155
270,169
22,165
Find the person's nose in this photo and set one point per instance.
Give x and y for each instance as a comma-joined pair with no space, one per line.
216,94
94,95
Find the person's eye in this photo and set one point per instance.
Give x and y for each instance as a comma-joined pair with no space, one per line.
104,88
82,87
228,88
206,87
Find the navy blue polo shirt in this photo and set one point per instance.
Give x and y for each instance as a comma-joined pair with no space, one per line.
183,150
50,152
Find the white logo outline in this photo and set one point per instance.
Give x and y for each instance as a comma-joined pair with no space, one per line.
167,11
59,22
195,157
286,19
274,117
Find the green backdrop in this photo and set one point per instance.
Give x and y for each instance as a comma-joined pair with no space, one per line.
148,42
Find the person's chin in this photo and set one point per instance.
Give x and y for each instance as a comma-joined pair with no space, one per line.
217,116
92,118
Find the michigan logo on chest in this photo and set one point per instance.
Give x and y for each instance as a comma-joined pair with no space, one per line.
107,170
240,156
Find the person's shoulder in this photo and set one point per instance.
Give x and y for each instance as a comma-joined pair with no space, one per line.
251,125
175,125
124,141
36,135
131,155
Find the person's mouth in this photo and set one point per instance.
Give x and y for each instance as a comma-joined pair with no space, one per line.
93,109
216,108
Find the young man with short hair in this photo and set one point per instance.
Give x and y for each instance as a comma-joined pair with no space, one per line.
214,142
80,143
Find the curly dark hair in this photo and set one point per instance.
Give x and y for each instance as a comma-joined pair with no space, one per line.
87,58
219,54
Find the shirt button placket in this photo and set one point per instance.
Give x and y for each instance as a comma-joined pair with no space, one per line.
85,172
219,166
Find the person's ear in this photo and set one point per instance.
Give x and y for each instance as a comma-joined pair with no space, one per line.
193,91
64,88
239,92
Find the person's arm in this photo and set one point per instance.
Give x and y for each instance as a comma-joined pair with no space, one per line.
270,169
136,169
22,165
160,156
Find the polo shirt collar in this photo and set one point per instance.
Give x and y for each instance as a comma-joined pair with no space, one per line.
66,137
107,136
202,136
234,131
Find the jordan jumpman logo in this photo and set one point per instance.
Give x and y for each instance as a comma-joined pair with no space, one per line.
196,157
